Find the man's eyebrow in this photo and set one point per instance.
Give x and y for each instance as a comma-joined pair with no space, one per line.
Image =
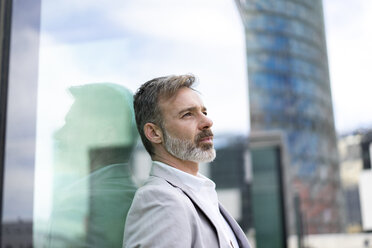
203,108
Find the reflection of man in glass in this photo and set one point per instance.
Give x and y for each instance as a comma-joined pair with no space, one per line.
92,181
177,206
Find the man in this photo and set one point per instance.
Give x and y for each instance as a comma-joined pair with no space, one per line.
177,206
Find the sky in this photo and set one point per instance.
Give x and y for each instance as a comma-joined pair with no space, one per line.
138,40
349,42
134,41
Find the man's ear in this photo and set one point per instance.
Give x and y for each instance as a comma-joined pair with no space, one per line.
153,133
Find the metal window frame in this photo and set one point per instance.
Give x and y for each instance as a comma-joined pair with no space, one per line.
5,33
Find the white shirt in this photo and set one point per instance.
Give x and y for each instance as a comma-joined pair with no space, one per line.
205,191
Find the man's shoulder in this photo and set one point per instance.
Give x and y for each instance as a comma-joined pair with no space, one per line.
157,199
158,205
157,189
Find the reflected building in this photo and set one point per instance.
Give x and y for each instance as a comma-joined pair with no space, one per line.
16,234
289,91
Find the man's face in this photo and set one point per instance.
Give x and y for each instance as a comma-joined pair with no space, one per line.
186,128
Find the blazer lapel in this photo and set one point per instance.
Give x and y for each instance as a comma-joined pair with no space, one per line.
160,172
239,234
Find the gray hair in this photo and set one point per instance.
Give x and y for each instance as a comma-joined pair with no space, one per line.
146,101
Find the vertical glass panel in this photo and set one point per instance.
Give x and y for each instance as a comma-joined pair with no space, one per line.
74,71
18,182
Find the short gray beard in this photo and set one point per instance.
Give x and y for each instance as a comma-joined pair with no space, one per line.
187,150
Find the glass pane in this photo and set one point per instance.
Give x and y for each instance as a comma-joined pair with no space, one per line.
18,184
73,93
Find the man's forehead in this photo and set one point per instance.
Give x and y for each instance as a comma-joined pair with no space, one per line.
183,99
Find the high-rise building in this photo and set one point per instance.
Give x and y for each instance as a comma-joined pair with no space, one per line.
289,91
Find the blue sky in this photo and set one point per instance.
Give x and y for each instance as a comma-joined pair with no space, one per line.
129,42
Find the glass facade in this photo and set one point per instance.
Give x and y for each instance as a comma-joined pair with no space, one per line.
289,90
268,205
72,156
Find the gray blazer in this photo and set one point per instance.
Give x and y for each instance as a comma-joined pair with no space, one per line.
166,213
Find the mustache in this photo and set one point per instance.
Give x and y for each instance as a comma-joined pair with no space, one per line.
203,134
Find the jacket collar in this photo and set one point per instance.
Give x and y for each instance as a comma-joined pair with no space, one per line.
158,171
239,234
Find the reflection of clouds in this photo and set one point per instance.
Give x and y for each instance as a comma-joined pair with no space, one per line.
19,179
151,39
26,15
349,38
23,68
194,21
119,61
22,81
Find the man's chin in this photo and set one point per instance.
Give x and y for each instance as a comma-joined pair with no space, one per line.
206,146
207,156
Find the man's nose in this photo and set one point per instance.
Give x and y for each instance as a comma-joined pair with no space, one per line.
205,122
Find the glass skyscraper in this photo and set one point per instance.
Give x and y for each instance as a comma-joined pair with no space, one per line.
289,90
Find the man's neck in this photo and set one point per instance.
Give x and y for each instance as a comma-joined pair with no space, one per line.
185,166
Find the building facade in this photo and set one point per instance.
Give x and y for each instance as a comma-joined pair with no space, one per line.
355,154
289,91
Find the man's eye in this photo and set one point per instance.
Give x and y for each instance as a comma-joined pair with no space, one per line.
205,113
187,114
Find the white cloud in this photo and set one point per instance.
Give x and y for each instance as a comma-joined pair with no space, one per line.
208,22
154,38
349,38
